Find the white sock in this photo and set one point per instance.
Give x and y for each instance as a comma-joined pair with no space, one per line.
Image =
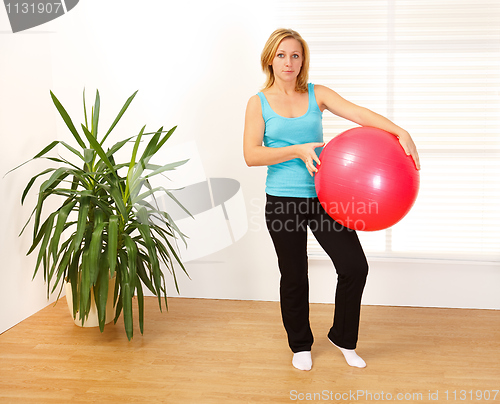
351,357
302,360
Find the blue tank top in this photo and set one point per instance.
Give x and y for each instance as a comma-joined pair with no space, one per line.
291,177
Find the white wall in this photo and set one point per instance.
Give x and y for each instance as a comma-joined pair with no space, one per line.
27,124
195,65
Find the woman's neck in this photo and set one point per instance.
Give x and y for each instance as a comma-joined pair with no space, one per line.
285,88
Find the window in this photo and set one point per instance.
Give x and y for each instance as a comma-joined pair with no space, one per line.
433,67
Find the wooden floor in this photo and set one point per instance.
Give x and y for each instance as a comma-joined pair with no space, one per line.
222,351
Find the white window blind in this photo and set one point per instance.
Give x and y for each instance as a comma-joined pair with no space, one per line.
433,67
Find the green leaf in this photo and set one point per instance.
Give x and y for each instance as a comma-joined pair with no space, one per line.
171,195
117,146
164,290
135,186
98,217
85,110
153,258
62,217
166,167
63,266
127,310
179,262
120,114
38,236
101,294
56,177
136,147
152,144
72,149
117,297
165,138
82,221
95,251
162,234
149,192
42,253
141,272
38,211
171,224
73,278
143,216
32,180
112,243
46,149
104,206
88,156
85,287
131,171
165,257
140,303
117,198
118,307
97,147
58,254
95,116
67,120
132,258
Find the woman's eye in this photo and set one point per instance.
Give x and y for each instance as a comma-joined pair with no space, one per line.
295,56
280,55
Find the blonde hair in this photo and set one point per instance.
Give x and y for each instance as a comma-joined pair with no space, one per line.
269,52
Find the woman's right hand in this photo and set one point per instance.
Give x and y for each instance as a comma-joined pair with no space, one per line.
258,155
306,152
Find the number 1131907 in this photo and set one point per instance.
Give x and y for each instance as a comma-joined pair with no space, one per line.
472,395
33,8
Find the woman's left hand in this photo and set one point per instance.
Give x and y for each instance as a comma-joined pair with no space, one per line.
409,147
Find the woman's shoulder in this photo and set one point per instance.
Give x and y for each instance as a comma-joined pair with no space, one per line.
322,92
254,104
254,100
320,88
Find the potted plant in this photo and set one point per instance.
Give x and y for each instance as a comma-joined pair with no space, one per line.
107,225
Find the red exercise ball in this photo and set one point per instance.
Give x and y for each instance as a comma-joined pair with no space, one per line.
365,180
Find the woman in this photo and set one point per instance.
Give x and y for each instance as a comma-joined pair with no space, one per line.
283,131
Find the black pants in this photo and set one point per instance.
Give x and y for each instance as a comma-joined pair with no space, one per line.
287,220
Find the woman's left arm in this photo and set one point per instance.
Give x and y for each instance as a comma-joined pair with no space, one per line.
333,102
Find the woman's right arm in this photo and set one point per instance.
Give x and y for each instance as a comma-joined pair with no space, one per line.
258,155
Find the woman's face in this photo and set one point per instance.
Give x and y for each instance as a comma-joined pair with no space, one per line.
287,61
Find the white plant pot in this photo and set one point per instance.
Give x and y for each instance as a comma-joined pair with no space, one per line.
93,318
